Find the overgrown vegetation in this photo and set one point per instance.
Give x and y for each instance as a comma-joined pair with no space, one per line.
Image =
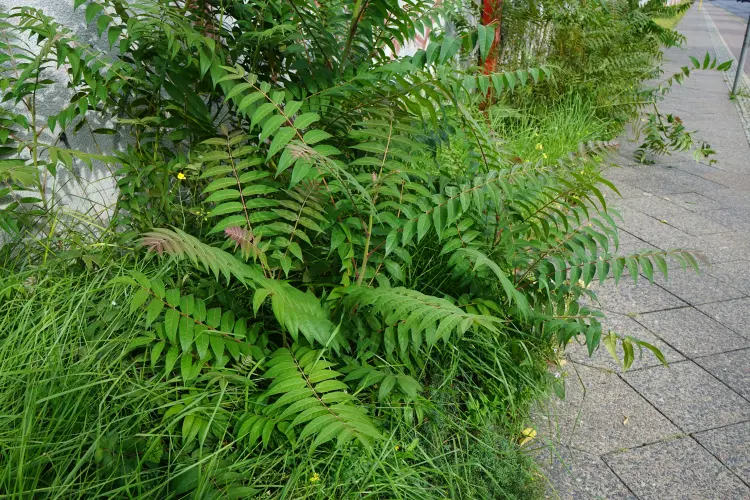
330,272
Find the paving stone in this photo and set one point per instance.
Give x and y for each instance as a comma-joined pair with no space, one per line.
655,206
630,298
624,189
735,273
696,288
731,445
601,413
734,314
728,197
697,225
718,178
654,231
732,368
696,202
574,474
691,332
731,218
629,244
678,469
664,181
622,325
689,396
720,247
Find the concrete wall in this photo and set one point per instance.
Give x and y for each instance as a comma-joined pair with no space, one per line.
91,193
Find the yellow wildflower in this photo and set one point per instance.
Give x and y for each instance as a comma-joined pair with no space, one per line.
528,434
181,176
315,478
539,146
397,447
544,155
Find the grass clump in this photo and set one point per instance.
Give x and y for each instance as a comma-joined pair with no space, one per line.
671,22
541,133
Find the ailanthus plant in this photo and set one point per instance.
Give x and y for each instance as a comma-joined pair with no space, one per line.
321,251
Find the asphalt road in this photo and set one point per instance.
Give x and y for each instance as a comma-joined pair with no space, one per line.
732,28
741,9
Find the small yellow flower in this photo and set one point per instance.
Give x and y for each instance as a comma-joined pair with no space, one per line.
544,155
181,176
397,447
527,434
539,146
315,478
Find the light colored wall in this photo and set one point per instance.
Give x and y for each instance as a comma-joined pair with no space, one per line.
91,193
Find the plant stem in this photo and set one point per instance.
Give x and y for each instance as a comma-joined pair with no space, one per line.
365,253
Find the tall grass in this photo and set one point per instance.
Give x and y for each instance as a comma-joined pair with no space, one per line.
62,390
78,419
537,132
670,22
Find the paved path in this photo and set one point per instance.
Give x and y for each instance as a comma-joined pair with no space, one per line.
681,432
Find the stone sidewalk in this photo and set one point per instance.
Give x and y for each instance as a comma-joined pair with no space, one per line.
681,432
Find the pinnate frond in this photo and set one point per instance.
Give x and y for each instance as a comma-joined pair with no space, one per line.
180,244
411,317
306,393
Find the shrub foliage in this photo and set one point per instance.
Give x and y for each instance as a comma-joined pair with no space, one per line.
294,271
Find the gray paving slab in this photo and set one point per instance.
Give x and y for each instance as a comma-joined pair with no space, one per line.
633,298
678,469
629,244
734,314
689,396
574,474
696,202
728,197
696,288
731,445
734,218
601,413
720,247
655,206
735,273
732,368
717,178
691,332
623,325
654,231
665,181
698,224
624,191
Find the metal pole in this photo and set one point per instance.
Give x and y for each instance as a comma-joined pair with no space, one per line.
741,63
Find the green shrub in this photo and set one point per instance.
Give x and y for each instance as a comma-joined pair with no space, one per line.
327,275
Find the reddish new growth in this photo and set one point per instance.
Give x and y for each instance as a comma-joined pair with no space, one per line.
243,237
156,243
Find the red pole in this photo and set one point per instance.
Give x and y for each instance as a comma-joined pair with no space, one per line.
492,12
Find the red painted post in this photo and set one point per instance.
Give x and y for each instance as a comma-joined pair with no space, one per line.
492,12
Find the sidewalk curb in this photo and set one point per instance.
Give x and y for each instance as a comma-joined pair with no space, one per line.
723,53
